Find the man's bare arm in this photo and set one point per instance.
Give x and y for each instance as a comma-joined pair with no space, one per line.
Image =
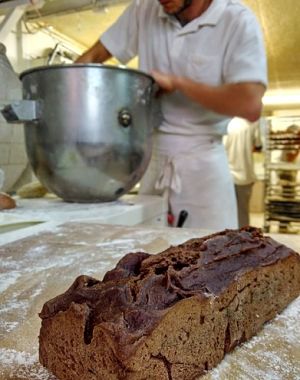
239,99
96,54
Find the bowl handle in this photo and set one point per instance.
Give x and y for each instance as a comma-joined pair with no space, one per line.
20,111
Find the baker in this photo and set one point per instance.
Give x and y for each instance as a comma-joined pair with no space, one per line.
242,140
208,58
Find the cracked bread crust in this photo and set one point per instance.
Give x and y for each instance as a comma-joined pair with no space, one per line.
169,316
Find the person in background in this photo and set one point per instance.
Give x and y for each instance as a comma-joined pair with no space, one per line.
242,139
208,58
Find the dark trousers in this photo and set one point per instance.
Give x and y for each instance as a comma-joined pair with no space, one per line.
243,194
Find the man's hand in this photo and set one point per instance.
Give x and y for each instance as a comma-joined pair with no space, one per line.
166,82
96,54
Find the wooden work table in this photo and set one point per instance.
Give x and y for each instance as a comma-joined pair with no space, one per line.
44,264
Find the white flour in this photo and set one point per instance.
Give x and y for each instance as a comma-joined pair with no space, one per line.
7,279
22,366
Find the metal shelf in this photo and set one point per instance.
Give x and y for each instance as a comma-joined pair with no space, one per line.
282,166
282,183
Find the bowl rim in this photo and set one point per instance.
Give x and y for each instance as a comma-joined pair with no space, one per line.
77,66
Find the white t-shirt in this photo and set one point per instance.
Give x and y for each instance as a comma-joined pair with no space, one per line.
223,45
240,142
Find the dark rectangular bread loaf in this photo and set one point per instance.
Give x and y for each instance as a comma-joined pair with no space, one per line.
170,316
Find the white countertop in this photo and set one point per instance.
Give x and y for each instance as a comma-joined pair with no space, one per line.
35,215
54,208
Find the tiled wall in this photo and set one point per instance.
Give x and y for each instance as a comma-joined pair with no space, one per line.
13,158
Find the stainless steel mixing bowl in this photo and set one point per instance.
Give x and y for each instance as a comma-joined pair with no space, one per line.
88,128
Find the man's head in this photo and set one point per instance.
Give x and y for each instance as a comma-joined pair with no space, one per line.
175,7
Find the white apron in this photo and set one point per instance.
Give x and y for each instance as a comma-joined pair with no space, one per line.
194,172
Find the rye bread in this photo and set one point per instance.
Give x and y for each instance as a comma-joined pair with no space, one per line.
170,316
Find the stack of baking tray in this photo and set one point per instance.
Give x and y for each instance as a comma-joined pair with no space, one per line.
284,210
290,192
283,140
282,181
